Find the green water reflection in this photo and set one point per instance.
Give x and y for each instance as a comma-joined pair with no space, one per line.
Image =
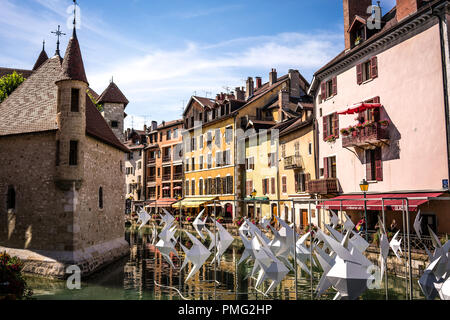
144,275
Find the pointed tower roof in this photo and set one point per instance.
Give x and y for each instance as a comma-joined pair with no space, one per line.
73,67
41,59
112,94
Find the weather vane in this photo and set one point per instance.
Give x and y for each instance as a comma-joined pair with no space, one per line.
74,14
58,34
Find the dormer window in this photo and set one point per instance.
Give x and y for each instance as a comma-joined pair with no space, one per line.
75,100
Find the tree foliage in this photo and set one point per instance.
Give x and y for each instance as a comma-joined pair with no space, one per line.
98,105
8,84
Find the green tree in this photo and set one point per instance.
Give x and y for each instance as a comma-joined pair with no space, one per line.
9,83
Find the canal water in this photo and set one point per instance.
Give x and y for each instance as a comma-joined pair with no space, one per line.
145,275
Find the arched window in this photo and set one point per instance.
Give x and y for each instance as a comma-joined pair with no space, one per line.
100,198
11,198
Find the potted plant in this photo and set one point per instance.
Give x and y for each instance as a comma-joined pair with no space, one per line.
330,138
358,40
12,284
384,123
360,126
368,123
220,220
345,131
189,219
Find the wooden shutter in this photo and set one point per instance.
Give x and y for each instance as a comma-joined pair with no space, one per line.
264,186
325,168
323,90
325,127
284,183
334,85
378,165
369,165
374,67
336,124
273,185
376,100
359,75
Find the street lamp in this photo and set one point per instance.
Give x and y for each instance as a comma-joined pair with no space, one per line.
364,186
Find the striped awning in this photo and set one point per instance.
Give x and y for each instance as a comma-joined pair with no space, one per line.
194,202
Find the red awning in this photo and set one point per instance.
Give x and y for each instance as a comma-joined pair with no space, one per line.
163,203
415,200
360,108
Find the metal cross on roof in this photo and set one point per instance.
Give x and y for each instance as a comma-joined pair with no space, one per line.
58,34
74,14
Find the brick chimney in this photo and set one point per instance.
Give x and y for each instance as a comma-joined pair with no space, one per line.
250,88
273,77
240,94
406,8
351,9
145,129
154,125
258,82
283,102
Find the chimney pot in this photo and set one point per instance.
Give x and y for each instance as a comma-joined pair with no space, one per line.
273,77
258,82
250,88
407,7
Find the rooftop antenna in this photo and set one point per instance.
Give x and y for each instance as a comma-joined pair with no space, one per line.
207,93
112,79
58,34
195,93
227,89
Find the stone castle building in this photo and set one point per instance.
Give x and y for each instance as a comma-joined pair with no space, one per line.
62,177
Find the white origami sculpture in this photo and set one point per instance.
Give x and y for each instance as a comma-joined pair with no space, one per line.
384,248
197,255
418,225
144,217
348,224
248,250
225,240
154,234
167,218
349,274
270,267
303,253
334,219
199,224
396,245
167,241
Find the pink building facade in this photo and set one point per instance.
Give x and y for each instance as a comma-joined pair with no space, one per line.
399,142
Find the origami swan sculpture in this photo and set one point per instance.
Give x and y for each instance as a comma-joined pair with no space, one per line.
167,218
197,255
199,224
167,241
225,240
395,245
248,250
144,217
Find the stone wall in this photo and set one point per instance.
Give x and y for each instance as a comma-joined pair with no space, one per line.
28,164
94,225
115,112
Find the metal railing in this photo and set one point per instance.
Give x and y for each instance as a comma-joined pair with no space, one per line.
293,162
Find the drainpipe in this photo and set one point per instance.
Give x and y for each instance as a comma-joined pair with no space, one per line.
444,43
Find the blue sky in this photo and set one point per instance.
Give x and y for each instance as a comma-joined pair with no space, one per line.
162,52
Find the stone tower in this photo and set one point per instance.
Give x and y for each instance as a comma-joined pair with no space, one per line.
114,103
71,118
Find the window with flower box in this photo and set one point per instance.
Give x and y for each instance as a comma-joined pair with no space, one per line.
331,127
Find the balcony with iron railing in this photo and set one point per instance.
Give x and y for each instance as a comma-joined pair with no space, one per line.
166,158
293,162
323,186
151,161
167,177
178,176
365,136
151,179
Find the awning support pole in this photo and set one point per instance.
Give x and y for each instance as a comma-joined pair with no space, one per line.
404,250
385,263
409,250
295,254
311,249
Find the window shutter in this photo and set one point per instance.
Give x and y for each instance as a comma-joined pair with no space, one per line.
359,75
273,185
334,85
296,181
325,127
374,67
376,100
369,165
336,124
325,168
378,164
323,90
264,185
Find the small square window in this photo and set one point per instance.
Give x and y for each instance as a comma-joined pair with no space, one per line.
114,124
